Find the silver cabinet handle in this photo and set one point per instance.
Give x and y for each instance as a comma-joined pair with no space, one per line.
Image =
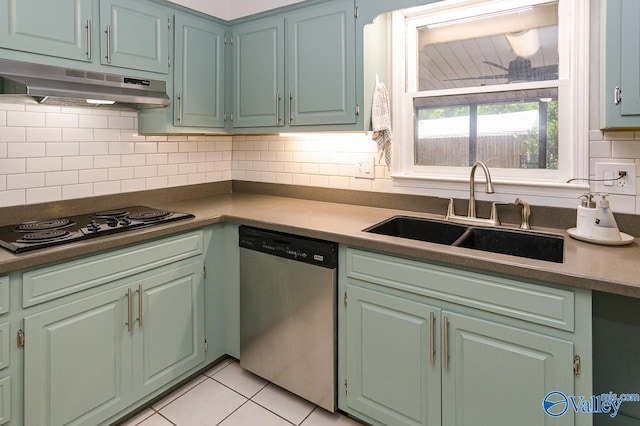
278,99
89,38
432,348
129,314
180,107
290,110
446,343
617,96
108,33
139,291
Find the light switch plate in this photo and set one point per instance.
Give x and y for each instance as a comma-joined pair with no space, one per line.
364,167
609,172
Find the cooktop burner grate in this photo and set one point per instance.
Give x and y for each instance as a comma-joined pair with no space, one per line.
44,236
44,225
149,215
110,214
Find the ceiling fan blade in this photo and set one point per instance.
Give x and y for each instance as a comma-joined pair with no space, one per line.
480,77
493,64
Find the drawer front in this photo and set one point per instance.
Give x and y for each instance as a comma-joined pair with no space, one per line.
518,299
41,285
4,345
5,400
4,295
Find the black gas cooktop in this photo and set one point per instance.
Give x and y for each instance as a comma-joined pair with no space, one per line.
38,234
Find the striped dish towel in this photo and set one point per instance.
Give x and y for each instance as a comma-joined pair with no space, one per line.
381,122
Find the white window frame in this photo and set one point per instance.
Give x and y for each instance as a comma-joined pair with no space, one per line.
546,187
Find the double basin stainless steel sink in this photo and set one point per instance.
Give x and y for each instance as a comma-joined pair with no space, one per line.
532,245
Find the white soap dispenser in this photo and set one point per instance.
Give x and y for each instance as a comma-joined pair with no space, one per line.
605,227
586,217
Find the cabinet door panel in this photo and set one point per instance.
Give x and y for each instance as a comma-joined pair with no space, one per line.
199,74
389,373
139,35
258,70
526,365
54,28
169,339
78,361
321,52
630,58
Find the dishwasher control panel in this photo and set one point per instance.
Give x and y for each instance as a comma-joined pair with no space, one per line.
303,249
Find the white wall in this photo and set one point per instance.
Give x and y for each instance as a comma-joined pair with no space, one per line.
233,9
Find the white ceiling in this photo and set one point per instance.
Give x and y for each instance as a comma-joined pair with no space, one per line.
233,9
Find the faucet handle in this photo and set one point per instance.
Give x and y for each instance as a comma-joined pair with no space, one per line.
526,213
494,212
450,209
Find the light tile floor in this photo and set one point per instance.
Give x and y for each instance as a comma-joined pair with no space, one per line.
227,395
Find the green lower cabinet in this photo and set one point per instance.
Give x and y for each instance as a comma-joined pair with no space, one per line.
496,373
410,363
392,373
88,360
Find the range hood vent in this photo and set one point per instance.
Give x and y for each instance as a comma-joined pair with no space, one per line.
35,83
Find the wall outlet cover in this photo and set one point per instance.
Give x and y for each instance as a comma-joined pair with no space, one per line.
364,167
608,178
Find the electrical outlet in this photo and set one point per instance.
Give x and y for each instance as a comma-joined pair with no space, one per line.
364,167
616,178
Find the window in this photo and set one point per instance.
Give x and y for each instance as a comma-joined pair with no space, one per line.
498,81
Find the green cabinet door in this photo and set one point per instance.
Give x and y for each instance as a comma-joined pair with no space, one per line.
199,73
258,73
60,28
620,64
393,369
321,65
169,326
78,361
496,374
134,35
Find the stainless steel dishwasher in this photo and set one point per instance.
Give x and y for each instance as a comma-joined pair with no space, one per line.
288,331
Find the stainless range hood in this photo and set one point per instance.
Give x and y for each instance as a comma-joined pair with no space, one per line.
35,83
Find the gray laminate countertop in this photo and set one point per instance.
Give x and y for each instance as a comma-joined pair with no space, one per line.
604,268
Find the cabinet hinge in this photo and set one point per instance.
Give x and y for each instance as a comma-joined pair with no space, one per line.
356,12
20,339
228,40
357,109
206,345
169,24
345,298
169,61
345,387
204,272
231,117
577,365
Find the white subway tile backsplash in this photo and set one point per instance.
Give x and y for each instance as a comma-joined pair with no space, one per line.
131,136
24,150
44,195
93,122
177,158
3,182
93,175
25,119
177,180
116,148
61,120
134,160
132,185
13,198
79,163
61,178
121,173
106,135
13,165
42,134
145,171
77,135
3,150
197,157
625,149
167,146
3,118
12,134
23,181
188,146
44,164
62,149
168,169
106,188
188,168
77,191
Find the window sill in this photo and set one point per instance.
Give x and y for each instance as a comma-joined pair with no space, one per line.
553,194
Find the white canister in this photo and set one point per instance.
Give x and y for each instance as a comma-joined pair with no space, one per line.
586,215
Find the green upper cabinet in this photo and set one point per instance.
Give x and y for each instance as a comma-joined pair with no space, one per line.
258,73
134,35
321,65
199,73
59,28
620,64
297,69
